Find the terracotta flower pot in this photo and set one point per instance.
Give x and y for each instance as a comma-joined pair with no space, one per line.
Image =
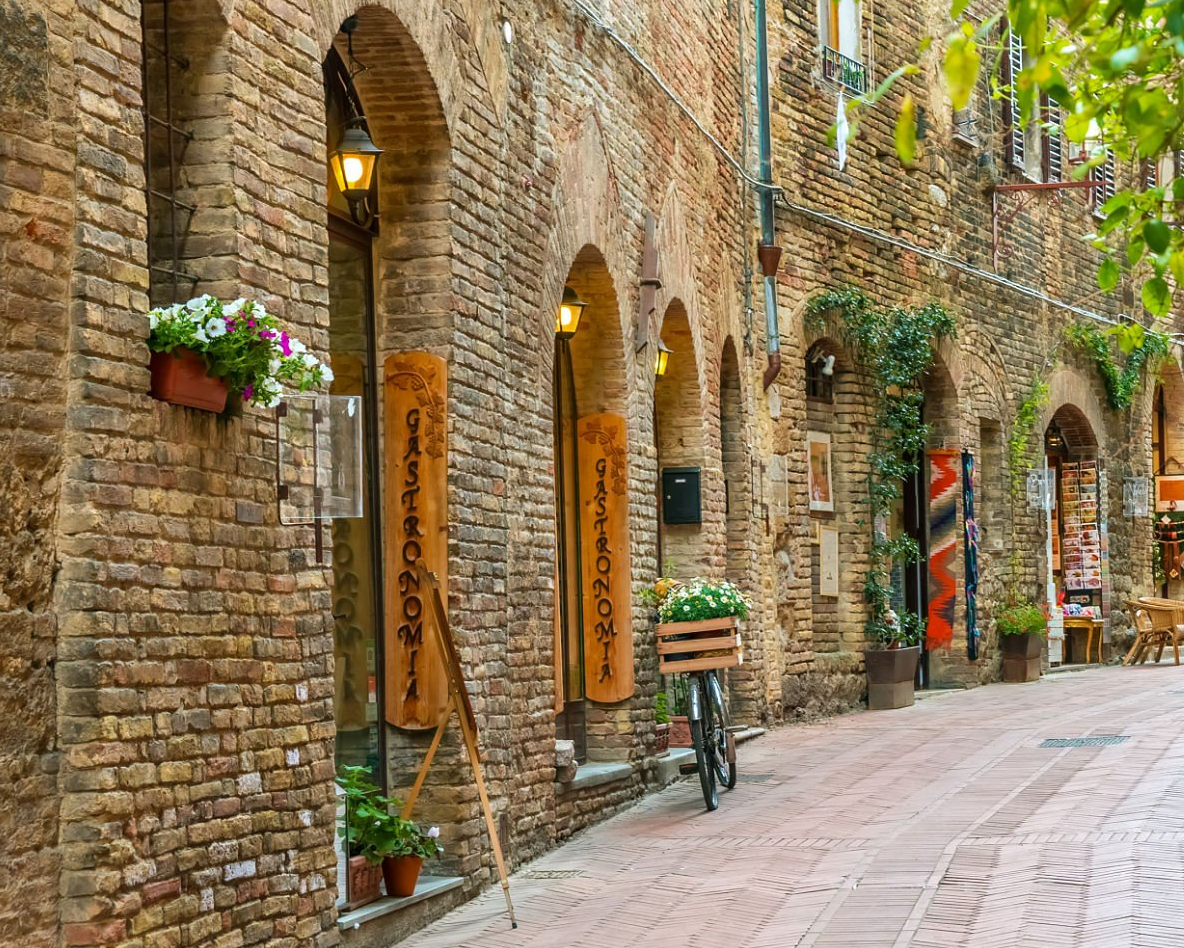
890,676
680,731
661,739
179,378
401,873
363,881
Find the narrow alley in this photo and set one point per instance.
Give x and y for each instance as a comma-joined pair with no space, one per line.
947,824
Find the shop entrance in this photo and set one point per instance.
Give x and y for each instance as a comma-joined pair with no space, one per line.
1079,548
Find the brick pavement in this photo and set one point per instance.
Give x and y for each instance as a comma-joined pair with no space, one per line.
943,825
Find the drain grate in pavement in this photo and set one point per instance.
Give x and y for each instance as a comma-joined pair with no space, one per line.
1101,740
753,778
550,873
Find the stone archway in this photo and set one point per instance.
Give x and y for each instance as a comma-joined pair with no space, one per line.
593,608
680,436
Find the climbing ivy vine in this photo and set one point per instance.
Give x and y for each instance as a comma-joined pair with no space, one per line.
895,345
1020,443
1143,347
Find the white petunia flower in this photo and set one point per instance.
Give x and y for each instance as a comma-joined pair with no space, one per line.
326,373
199,335
298,347
153,320
232,308
310,361
273,366
216,327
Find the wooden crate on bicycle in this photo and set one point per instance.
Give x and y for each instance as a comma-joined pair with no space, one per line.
698,646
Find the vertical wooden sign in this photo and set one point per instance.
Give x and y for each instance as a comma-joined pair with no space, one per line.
604,558
415,525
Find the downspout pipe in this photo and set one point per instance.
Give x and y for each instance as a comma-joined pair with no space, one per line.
768,253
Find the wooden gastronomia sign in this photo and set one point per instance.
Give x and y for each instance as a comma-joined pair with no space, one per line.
415,527
604,558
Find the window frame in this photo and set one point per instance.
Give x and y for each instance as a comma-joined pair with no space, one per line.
848,68
160,276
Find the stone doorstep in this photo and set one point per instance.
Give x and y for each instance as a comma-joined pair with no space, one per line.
427,887
668,766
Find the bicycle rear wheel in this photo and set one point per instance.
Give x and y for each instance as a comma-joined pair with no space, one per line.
704,760
720,738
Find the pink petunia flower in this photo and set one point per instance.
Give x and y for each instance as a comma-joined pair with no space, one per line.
285,345
249,392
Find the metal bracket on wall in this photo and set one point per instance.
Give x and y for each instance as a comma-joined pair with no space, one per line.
1019,197
650,284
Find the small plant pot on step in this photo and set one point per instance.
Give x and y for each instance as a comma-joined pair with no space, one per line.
179,378
364,877
1021,656
400,874
661,739
890,676
680,731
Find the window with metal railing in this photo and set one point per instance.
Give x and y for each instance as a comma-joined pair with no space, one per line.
842,69
165,142
840,29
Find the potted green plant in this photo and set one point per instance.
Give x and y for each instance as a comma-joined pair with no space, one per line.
661,724
1022,626
363,830
381,844
204,349
892,668
405,846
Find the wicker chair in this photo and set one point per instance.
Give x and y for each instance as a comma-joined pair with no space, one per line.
1155,627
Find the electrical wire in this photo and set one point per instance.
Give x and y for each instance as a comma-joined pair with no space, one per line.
1021,288
673,96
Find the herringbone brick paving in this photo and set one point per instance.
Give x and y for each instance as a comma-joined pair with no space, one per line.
945,825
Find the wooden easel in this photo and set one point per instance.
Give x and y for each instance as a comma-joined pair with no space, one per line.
458,701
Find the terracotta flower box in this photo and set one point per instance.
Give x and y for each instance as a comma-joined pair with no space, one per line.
179,378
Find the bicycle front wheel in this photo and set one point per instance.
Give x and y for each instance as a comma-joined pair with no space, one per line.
721,750
703,760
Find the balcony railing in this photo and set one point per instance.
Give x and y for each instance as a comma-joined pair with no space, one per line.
844,70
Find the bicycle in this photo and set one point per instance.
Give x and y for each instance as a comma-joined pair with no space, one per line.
715,746
698,650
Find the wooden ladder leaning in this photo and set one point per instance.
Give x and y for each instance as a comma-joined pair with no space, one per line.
458,701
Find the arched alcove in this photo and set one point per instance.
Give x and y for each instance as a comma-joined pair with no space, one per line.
680,435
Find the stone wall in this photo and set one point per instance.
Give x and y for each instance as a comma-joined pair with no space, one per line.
36,246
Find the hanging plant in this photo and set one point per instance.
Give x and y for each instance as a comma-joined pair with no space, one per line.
895,345
1143,348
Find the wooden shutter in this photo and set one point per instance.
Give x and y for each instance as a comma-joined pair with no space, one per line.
1054,142
1148,174
1013,117
1104,173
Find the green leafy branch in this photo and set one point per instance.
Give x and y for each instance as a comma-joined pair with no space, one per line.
1020,443
1143,347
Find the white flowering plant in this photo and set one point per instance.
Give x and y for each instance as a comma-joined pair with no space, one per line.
701,599
242,344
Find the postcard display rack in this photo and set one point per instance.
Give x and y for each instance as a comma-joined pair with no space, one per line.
1084,553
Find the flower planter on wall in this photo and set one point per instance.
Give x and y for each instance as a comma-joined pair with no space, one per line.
179,378
680,731
661,739
1021,656
890,676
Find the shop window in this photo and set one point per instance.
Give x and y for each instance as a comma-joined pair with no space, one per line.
840,28
357,566
165,142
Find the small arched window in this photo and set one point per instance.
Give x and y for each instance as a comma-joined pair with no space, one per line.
820,374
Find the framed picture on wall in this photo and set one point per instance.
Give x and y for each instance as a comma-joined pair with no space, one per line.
818,476
1169,493
828,561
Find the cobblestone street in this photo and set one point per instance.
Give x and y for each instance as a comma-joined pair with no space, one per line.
947,824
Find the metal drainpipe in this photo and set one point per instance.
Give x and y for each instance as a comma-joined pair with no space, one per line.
769,252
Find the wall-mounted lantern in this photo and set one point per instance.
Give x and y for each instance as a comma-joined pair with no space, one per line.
353,162
661,358
567,317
